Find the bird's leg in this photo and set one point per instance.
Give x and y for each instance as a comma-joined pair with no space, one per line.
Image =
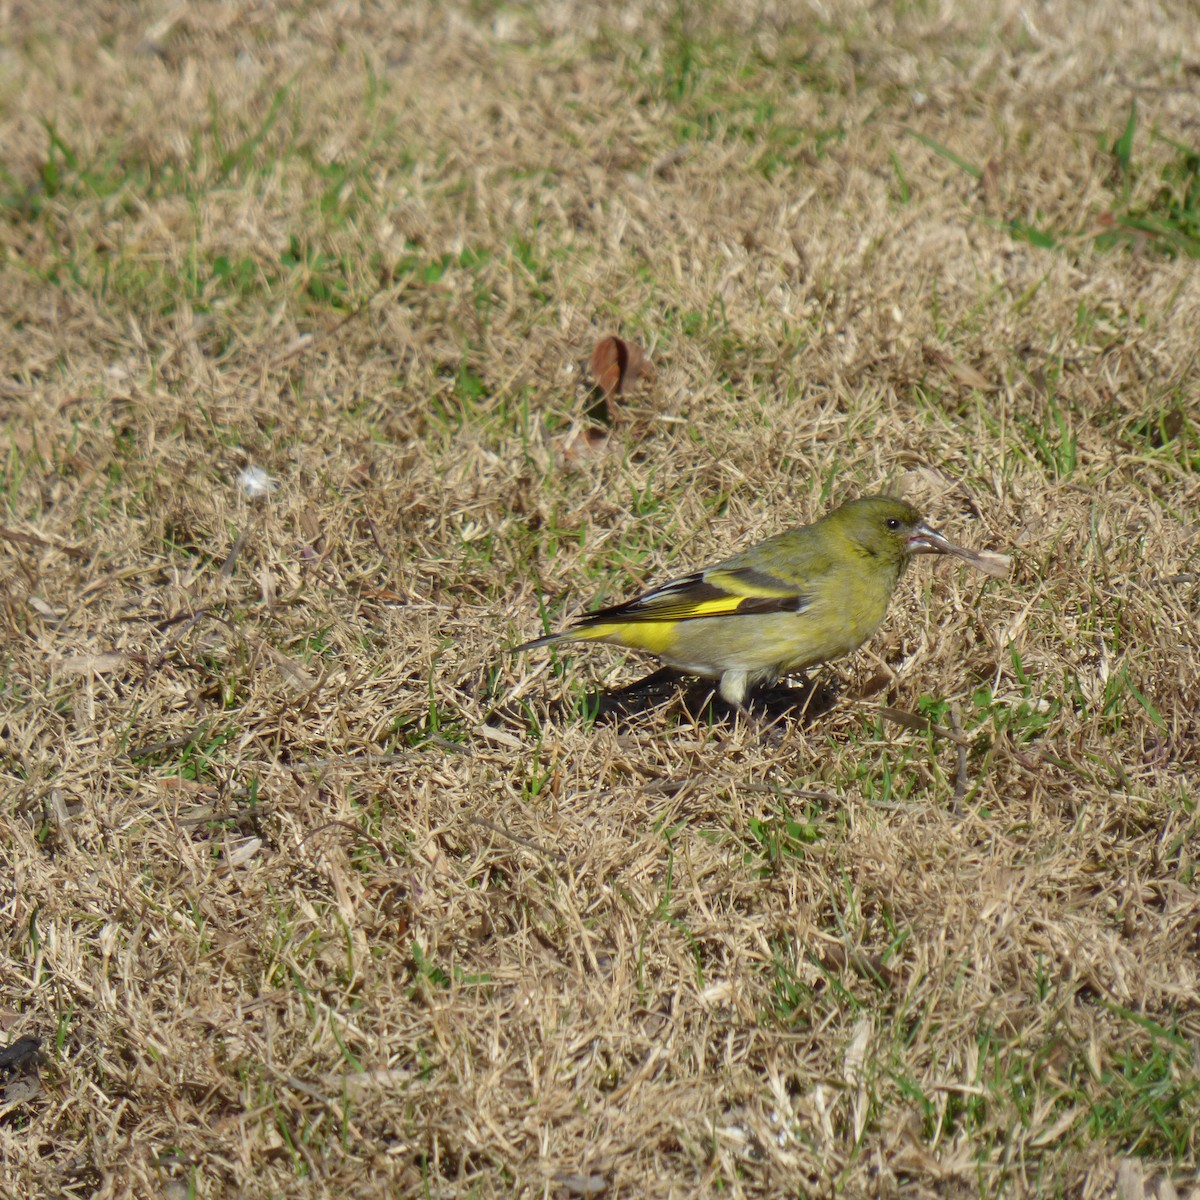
733,687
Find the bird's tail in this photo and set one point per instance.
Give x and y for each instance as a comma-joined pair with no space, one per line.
583,632
549,639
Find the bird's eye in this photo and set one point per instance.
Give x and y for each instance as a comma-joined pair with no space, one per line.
893,522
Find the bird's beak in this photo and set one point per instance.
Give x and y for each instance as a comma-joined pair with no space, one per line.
925,540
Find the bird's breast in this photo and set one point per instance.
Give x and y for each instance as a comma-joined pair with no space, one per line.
847,611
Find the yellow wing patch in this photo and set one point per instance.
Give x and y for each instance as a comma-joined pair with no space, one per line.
714,593
655,637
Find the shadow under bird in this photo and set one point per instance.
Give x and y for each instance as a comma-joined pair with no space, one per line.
798,599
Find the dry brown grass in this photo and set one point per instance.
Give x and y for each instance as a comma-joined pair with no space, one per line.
311,888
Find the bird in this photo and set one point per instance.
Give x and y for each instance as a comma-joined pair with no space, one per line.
798,599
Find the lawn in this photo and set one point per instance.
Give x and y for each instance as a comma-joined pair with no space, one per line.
312,887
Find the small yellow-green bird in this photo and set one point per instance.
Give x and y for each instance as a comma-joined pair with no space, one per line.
798,599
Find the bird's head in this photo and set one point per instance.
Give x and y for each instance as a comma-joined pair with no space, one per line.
889,529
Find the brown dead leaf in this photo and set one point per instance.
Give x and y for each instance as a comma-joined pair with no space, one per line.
606,364
616,365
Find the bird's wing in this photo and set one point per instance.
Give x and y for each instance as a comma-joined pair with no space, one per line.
720,591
